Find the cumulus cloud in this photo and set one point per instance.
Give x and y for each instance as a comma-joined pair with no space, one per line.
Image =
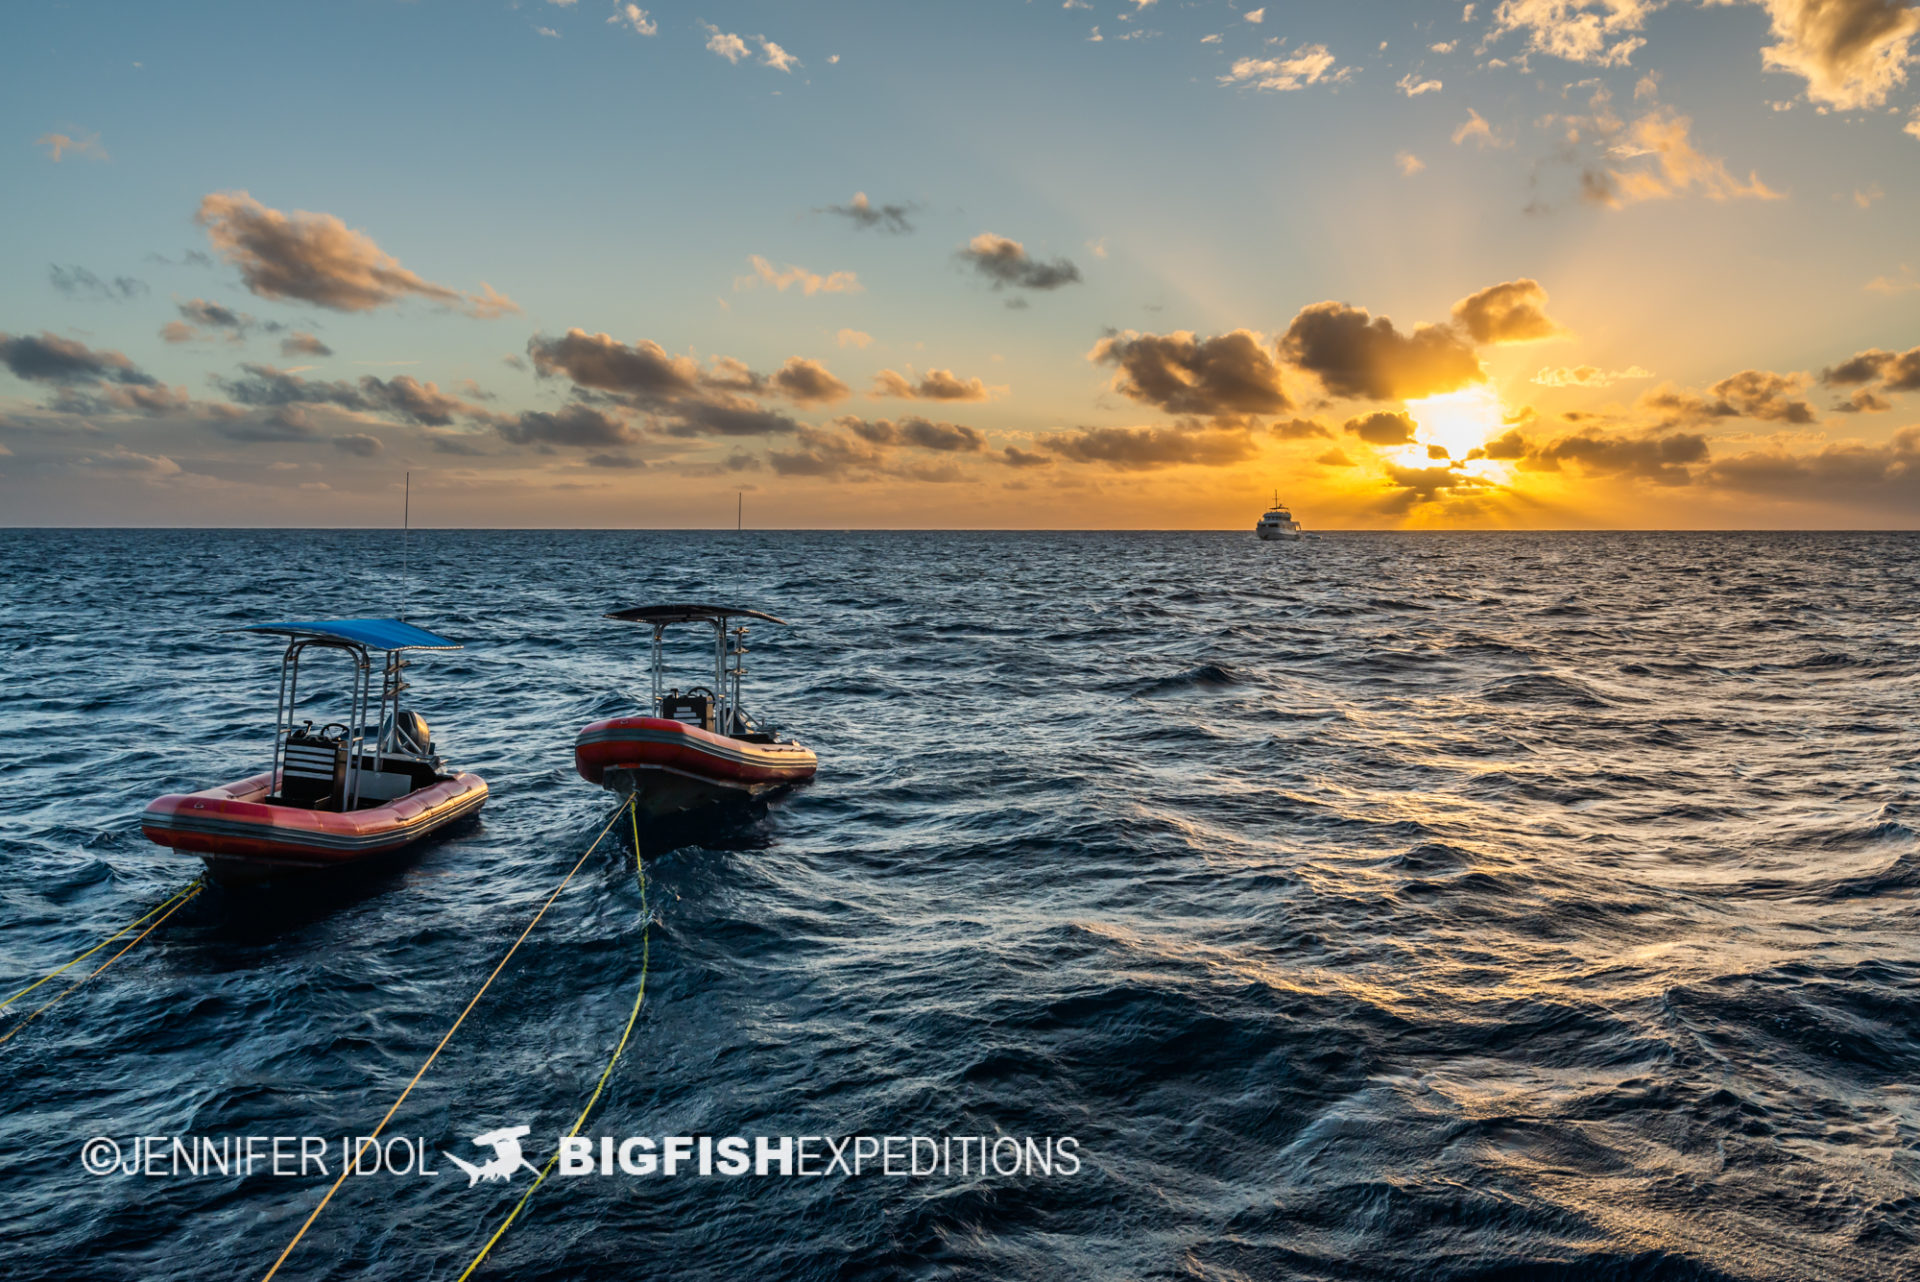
1852,53
634,19
918,432
301,343
853,338
1412,86
807,383
1587,376
402,397
359,443
934,385
1900,370
764,272
1476,128
1146,449
1359,355
1409,163
1014,456
318,259
48,358
863,213
1589,31
1514,311
1307,65
1382,428
725,43
1849,473
1225,378
1005,261
692,401
575,425
78,282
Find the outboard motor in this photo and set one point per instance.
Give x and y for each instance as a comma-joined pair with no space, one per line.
410,737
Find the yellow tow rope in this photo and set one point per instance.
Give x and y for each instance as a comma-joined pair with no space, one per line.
171,905
646,937
347,1168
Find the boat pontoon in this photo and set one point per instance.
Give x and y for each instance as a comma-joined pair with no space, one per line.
697,747
335,793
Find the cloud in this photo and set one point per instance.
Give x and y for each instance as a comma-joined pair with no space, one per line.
853,338
1308,65
401,397
1358,355
576,425
614,461
49,358
359,444
301,343
863,213
1409,163
1225,378
79,144
843,282
1005,261
1852,53
78,282
1298,429
1650,158
935,385
1476,128
1413,87
1382,428
693,402
603,362
1511,312
1146,449
316,258
725,43
1256,16
776,57
1900,370
808,383
1848,473
1762,394
1334,458
634,19
826,454
1014,456
1587,376
1589,31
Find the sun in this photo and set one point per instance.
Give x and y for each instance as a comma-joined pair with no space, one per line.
1458,422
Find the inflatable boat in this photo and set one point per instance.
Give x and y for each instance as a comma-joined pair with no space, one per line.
337,793
696,747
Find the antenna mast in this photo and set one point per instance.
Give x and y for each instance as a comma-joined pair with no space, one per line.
406,526
739,511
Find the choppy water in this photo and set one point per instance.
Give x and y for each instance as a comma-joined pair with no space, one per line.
1413,906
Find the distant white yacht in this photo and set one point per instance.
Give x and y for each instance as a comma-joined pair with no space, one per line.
1277,523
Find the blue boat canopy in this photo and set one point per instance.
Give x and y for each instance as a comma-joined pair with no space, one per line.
375,634
689,614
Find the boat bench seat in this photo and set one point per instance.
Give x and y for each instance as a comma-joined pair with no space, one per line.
693,709
311,770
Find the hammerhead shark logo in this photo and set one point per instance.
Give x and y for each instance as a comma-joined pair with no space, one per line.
506,1158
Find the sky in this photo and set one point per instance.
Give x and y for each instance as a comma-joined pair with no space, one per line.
1552,264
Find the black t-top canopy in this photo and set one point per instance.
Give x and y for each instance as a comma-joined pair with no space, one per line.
688,614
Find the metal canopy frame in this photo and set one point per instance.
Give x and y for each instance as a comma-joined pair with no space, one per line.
345,637
729,662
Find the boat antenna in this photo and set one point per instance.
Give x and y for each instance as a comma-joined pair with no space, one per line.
739,511
406,526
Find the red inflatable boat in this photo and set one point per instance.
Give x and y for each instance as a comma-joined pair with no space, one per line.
337,794
699,748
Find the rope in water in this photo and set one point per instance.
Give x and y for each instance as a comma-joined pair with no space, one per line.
171,905
646,937
361,1148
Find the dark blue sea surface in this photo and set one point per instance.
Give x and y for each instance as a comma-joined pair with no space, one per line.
1424,906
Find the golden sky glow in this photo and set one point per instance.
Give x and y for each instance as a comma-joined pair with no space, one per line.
1578,264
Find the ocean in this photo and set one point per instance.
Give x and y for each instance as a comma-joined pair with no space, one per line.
1423,906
